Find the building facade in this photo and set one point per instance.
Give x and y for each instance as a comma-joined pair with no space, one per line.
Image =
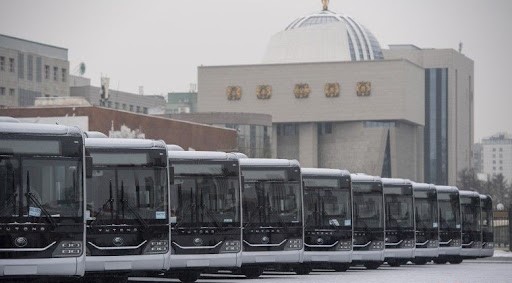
31,69
496,155
254,131
181,102
346,103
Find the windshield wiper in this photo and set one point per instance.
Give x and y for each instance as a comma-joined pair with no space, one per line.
131,208
12,198
30,197
253,213
109,202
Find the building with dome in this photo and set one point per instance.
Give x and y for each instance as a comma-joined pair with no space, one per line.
338,100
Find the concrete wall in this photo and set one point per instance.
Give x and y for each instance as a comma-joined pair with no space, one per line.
397,91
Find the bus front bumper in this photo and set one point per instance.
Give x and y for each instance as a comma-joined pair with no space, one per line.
43,267
256,258
368,255
449,251
127,263
328,256
426,252
399,253
206,260
470,252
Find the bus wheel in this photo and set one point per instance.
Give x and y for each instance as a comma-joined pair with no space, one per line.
394,262
456,260
188,276
440,261
419,261
340,267
302,269
252,272
372,265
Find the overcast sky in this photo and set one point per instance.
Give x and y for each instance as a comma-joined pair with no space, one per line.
159,44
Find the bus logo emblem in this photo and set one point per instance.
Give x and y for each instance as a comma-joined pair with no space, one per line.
118,241
198,242
20,242
320,241
265,240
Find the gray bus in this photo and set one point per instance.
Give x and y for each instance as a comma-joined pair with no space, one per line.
471,224
427,223
327,219
450,228
127,215
42,189
487,226
369,214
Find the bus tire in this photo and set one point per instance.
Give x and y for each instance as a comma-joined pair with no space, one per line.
440,261
372,265
302,269
252,272
394,262
456,260
340,267
188,276
419,261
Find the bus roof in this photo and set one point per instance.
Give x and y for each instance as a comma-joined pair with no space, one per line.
423,186
469,194
323,172
39,129
200,155
174,147
485,197
361,177
8,119
268,162
123,143
395,181
447,189
95,134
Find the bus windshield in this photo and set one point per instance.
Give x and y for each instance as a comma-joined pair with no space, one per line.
40,188
326,203
368,205
426,210
116,194
399,211
207,201
470,213
274,203
449,210
487,214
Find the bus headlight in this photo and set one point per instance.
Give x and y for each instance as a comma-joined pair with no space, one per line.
230,246
68,249
294,244
157,247
345,246
456,243
377,245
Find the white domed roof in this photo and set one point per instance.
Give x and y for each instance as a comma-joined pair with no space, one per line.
323,36
362,43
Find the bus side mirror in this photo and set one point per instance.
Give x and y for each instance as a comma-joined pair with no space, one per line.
88,167
170,170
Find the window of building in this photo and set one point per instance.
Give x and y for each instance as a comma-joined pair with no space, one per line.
131,108
138,109
2,63
30,67
12,92
109,104
145,110
47,72
324,128
494,168
501,168
64,74
501,149
124,106
494,162
55,70
2,90
11,65
116,105
493,149
501,161
494,156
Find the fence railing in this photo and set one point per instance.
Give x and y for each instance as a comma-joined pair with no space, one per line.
502,235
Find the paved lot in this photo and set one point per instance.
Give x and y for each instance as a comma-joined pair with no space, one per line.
490,270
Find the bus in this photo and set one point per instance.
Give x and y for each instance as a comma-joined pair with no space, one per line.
272,219
487,226
427,223
128,228
450,228
471,228
368,208
400,225
327,219
42,189
205,213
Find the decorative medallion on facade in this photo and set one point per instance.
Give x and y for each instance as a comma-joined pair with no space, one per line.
302,91
264,91
332,89
234,92
364,88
